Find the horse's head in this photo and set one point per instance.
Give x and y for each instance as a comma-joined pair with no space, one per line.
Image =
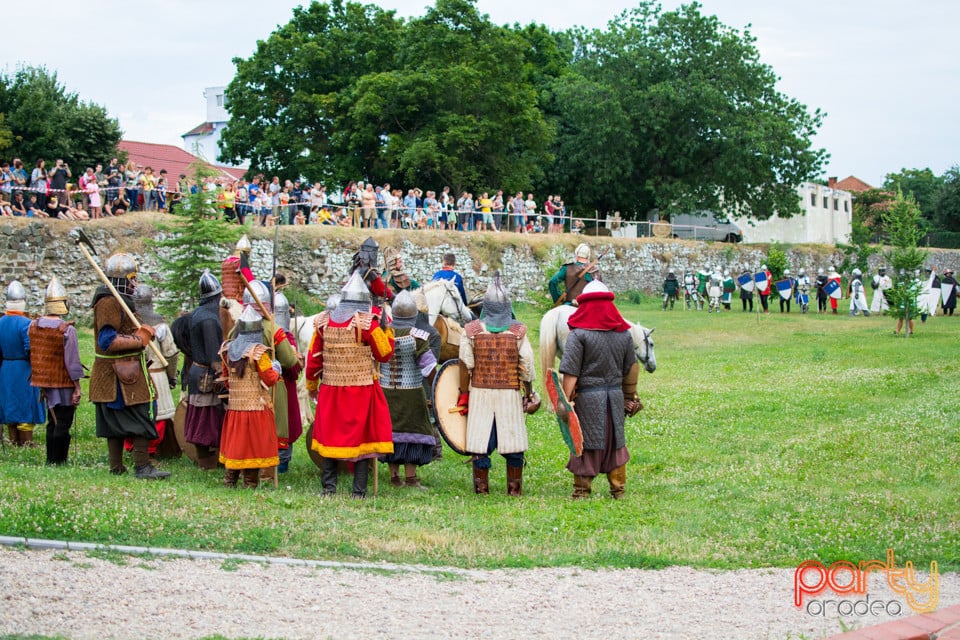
643,345
443,298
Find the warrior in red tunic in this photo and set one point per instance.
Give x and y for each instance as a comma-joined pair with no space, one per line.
353,420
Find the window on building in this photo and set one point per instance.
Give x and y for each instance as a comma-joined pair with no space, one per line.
836,204
813,199
219,99
846,207
826,202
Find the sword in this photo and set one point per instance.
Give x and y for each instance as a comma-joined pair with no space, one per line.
82,243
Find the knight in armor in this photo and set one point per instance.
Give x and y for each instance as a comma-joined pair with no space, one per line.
352,420
703,287
785,302
764,292
164,379
365,263
690,290
930,294
858,296
600,372
435,342
671,289
950,288
881,284
746,294
821,284
249,439
401,379
119,387
20,405
204,418
715,288
289,422
56,369
496,385
729,286
395,275
833,276
802,290
572,277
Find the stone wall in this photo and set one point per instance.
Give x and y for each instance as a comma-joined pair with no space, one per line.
318,258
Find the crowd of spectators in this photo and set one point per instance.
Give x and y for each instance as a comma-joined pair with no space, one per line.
117,188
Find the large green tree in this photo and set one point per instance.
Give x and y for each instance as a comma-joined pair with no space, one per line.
47,121
920,184
289,101
458,110
674,111
945,205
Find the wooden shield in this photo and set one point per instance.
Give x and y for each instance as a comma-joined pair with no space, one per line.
566,417
342,465
179,424
450,335
446,392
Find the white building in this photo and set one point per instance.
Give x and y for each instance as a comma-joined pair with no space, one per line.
827,218
204,139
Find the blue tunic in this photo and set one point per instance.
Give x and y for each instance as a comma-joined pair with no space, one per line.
19,402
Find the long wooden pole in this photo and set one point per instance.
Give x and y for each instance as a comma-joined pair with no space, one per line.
119,298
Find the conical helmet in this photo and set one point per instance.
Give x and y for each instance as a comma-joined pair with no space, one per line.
243,244
209,286
368,254
355,290
55,299
391,258
582,252
497,312
281,310
16,297
263,294
404,310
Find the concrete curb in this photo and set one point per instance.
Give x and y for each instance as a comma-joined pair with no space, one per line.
63,545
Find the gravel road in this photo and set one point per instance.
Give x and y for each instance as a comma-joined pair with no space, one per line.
81,595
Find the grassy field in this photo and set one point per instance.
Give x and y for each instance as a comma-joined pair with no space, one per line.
765,441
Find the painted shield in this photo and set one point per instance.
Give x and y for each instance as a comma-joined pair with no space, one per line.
746,282
567,419
179,422
784,288
945,292
446,392
760,280
832,289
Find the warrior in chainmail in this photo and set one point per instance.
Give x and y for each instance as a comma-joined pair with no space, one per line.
204,419
395,274
496,377
20,406
365,263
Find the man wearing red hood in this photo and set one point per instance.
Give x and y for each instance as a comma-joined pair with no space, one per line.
600,370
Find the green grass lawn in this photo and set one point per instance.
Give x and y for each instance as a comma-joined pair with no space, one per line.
765,441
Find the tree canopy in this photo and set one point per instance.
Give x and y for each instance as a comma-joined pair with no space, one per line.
661,110
39,118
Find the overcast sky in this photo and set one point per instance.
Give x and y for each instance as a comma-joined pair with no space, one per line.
887,74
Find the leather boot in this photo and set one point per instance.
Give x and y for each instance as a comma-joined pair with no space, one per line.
26,438
410,479
206,459
268,474
581,487
395,475
115,453
230,478
481,482
251,478
14,435
514,481
361,470
328,476
618,481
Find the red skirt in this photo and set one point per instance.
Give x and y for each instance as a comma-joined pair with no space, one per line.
352,423
249,440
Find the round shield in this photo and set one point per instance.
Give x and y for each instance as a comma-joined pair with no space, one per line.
179,422
450,335
314,456
446,392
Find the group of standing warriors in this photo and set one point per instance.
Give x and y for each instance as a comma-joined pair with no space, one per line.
709,288
365,370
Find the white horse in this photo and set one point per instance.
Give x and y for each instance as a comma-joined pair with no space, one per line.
443,298
554,332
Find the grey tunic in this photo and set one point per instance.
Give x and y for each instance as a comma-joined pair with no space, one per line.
600,360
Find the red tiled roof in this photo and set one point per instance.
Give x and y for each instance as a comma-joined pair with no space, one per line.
853,184
202,128
165,156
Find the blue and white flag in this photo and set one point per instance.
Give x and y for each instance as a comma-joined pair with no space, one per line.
832,289
785,288
746,282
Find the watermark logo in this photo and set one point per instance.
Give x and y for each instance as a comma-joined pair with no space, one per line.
812,578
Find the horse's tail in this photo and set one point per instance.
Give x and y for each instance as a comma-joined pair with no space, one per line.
548,341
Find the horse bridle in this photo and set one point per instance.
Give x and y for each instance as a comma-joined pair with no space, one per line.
449,294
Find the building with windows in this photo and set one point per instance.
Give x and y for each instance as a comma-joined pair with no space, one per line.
827,218
204,139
